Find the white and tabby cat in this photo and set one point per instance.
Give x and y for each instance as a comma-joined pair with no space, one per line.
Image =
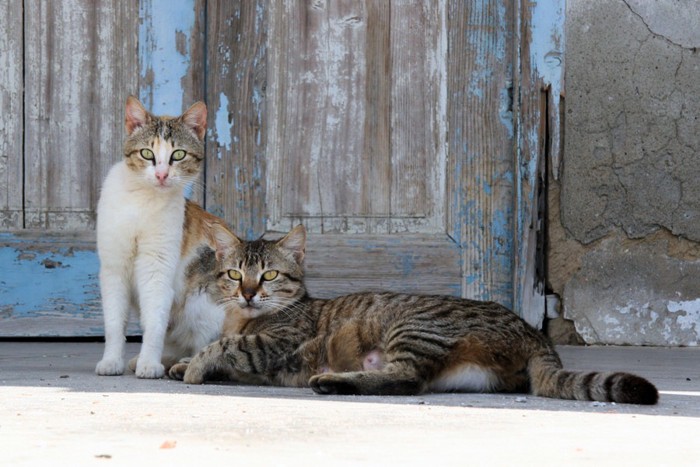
156,249
378,343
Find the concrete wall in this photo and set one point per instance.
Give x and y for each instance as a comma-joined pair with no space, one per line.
625,210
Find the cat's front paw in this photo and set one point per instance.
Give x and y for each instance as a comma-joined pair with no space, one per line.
110,367
177,371
332,383
194,374
147,370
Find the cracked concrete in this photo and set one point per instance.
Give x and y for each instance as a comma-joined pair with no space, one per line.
674,21
632,134
630,171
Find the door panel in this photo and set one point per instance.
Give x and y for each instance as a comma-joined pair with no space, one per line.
356,121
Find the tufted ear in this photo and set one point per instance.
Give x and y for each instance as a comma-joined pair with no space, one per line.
195,118
226,241
295,242
136,115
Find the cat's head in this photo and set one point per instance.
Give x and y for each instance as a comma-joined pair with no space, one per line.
165,152
261,276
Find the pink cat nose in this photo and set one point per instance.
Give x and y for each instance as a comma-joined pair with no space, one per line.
161,176
248,296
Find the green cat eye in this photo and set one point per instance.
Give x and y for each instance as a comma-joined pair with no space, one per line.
235,275
147,154
178,155
269,275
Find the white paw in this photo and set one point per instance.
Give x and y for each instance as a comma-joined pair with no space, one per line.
110,367
149,370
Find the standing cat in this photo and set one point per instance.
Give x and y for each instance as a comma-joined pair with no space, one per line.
378,343
156,249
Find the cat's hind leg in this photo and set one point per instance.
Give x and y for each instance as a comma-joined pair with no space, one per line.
393,379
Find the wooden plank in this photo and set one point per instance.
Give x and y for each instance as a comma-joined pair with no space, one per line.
317,106
480,181
338,264
53,289
171,60
236,80
375,157
418,116
76,77
540,32
11,117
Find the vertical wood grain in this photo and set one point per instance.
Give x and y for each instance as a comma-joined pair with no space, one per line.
418,115
356,109
317,113
236,82
80,64
480,181
376,152
11,117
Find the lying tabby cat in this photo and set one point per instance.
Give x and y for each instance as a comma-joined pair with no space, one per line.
378,343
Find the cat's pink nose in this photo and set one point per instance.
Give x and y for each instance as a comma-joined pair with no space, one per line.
248,296
161,176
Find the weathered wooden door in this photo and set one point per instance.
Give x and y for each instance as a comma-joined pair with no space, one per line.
406,136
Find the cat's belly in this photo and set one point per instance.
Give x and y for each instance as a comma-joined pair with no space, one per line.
466,378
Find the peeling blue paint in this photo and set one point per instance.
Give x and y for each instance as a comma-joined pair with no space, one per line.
547,46
223,125
162,65
34,287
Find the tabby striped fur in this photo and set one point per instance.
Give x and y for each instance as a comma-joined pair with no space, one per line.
379,343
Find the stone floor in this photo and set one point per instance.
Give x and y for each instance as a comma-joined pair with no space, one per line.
55,410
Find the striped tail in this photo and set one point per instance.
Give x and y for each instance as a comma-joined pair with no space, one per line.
548,379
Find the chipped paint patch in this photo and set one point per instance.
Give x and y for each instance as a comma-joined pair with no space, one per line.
223,124
640,298
691,313
49,287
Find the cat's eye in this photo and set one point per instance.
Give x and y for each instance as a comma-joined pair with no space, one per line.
269,275
178,155
147,154
235,275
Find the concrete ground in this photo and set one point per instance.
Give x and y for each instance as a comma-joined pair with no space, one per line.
55,410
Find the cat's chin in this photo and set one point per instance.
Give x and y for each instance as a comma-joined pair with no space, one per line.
251,312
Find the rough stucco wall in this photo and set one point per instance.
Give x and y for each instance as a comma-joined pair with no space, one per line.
623,254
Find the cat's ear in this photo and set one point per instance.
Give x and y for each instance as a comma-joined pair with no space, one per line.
136,115
226,242
195,118
295,241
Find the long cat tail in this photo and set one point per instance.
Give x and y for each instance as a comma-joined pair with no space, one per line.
548,379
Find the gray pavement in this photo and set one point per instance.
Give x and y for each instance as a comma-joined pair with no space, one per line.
55,410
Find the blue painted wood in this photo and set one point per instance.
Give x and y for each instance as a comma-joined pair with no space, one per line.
49,287
540,34
481,172
164,53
